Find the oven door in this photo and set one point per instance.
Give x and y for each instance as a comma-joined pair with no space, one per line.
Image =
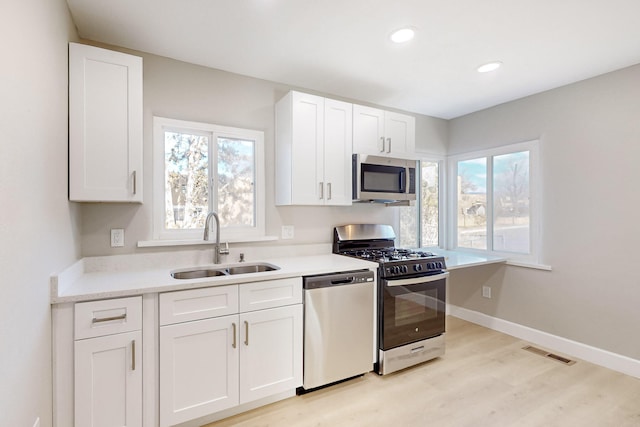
412,309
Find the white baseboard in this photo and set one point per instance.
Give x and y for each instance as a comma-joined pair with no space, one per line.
607,359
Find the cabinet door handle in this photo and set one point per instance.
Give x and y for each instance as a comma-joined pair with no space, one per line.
382,144
134,182
389,145
246,333
133,355
109,319
234,336
328,191
321,190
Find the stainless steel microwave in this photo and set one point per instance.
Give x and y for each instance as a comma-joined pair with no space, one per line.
383,179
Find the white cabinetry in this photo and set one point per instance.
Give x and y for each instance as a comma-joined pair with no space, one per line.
313,150
105,125
225,346
383,133
107,363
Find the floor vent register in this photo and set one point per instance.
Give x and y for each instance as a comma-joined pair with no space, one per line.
545,353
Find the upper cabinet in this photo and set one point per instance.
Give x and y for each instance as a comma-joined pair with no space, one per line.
383,133
105,125
313,150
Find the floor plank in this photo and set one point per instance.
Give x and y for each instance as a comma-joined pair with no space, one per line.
485,378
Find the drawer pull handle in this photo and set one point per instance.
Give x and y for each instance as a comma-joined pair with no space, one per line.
133,355
234,336
246,333
109,319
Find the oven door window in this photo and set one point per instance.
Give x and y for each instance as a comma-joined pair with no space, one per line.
412,313
383,179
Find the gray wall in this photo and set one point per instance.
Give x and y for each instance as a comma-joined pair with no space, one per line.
184,91
589,134
38,230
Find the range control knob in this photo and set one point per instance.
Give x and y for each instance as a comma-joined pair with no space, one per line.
405,269
417,267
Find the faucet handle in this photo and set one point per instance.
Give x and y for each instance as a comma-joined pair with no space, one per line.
224,251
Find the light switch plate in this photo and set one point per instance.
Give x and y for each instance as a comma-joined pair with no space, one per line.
117,237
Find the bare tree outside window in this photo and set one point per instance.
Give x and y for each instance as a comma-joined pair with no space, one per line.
186,177
511,216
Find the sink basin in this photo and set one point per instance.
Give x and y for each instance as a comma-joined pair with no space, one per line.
251,268
199,273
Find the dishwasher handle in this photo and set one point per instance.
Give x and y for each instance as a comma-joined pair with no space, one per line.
338,279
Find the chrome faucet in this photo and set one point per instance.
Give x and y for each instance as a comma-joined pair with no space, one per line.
217,251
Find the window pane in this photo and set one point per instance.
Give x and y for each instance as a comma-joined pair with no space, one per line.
472,203
186,177
511,202
429,194
408,237
236,178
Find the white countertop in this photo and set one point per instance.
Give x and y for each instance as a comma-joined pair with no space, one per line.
83,281
119,276
455,259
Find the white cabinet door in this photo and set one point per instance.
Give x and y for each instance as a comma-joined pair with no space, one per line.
368,130
400,134
105,125
338,136
198,368
383,133
108,381
270,352
308,150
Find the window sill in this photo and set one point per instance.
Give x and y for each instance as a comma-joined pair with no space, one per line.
199,242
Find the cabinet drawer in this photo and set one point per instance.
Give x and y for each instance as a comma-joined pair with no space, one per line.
106,317
197,304
269,294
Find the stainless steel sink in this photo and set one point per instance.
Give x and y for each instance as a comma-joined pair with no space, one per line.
199,273
251,268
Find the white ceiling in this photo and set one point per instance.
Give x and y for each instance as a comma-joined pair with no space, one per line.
341,47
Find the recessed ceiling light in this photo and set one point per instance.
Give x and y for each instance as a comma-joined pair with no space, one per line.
402,35
490,66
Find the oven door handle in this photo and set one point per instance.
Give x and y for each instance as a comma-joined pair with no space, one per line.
417,280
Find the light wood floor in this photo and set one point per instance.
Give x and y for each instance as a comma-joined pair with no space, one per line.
484,379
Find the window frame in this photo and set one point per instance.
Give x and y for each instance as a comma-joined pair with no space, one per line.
533,147
213,131
442,196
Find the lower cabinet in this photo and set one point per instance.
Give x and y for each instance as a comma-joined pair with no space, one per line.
270,352
212,364
198,369
108,367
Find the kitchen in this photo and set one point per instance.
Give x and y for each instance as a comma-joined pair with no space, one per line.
584,124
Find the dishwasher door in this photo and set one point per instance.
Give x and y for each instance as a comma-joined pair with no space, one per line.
339,327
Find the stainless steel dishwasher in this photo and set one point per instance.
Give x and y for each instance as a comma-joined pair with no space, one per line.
338,327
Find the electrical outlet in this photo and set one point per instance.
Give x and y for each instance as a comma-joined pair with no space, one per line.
486,291
117,237
287,231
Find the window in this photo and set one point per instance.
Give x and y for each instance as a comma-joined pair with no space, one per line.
201,167
495,200
420,224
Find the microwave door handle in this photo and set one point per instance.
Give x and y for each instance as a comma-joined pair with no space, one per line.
403,181
417,280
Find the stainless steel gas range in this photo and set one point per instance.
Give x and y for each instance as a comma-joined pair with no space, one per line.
411,295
